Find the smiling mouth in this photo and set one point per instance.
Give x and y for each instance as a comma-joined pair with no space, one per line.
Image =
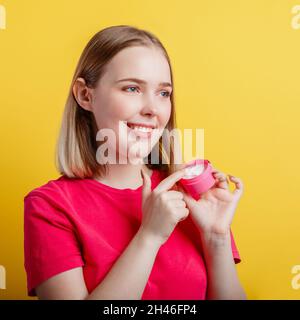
141,131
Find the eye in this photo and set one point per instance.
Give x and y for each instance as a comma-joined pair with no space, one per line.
168,94
130,88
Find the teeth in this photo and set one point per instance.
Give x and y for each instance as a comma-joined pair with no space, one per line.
143,129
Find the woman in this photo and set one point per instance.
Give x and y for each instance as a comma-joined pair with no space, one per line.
120,230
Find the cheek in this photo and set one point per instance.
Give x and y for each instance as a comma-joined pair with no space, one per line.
120,108
111,108
165,115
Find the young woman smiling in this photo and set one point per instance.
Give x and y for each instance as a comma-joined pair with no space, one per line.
126,231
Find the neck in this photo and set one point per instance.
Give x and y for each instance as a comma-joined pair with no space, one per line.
123,176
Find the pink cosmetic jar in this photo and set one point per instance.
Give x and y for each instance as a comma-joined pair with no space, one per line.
198,178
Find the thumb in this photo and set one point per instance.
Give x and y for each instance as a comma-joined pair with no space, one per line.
146,186
190,201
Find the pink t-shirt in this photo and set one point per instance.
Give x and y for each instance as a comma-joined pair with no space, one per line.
71,223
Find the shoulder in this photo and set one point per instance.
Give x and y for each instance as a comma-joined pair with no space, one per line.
56,193
54,186
59,186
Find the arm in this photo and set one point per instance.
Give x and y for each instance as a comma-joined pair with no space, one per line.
223,282
128,276
212,215
125,280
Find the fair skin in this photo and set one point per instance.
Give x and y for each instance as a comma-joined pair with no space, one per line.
163,207
213,214
129,101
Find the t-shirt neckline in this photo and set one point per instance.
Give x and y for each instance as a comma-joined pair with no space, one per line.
121,191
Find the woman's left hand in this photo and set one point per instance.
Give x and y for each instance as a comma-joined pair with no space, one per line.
214,211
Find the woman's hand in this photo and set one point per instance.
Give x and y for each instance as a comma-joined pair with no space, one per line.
162,207
214,211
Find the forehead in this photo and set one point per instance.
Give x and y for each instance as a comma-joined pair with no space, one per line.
139,62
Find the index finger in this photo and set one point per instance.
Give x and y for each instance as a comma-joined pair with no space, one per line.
168,182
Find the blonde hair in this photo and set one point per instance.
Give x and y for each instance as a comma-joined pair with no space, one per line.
76,145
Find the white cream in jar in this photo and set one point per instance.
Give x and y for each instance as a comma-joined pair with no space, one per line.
193,171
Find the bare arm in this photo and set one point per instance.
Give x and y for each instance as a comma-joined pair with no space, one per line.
223,282
125,280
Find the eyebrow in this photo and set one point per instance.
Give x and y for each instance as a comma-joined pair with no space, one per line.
164,84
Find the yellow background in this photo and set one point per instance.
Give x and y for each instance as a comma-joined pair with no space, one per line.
236,66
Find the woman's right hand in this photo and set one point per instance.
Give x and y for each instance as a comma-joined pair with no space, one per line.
162,208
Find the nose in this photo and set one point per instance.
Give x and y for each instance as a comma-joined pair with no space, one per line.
150,106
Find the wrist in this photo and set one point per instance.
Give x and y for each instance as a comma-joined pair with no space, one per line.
148,241
215,240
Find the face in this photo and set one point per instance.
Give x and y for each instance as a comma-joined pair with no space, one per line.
122,104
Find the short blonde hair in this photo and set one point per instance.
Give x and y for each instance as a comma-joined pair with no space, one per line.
76,145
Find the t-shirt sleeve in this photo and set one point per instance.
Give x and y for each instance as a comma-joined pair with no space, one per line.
235,252
50,242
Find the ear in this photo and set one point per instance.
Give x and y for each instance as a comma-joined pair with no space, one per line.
82,94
